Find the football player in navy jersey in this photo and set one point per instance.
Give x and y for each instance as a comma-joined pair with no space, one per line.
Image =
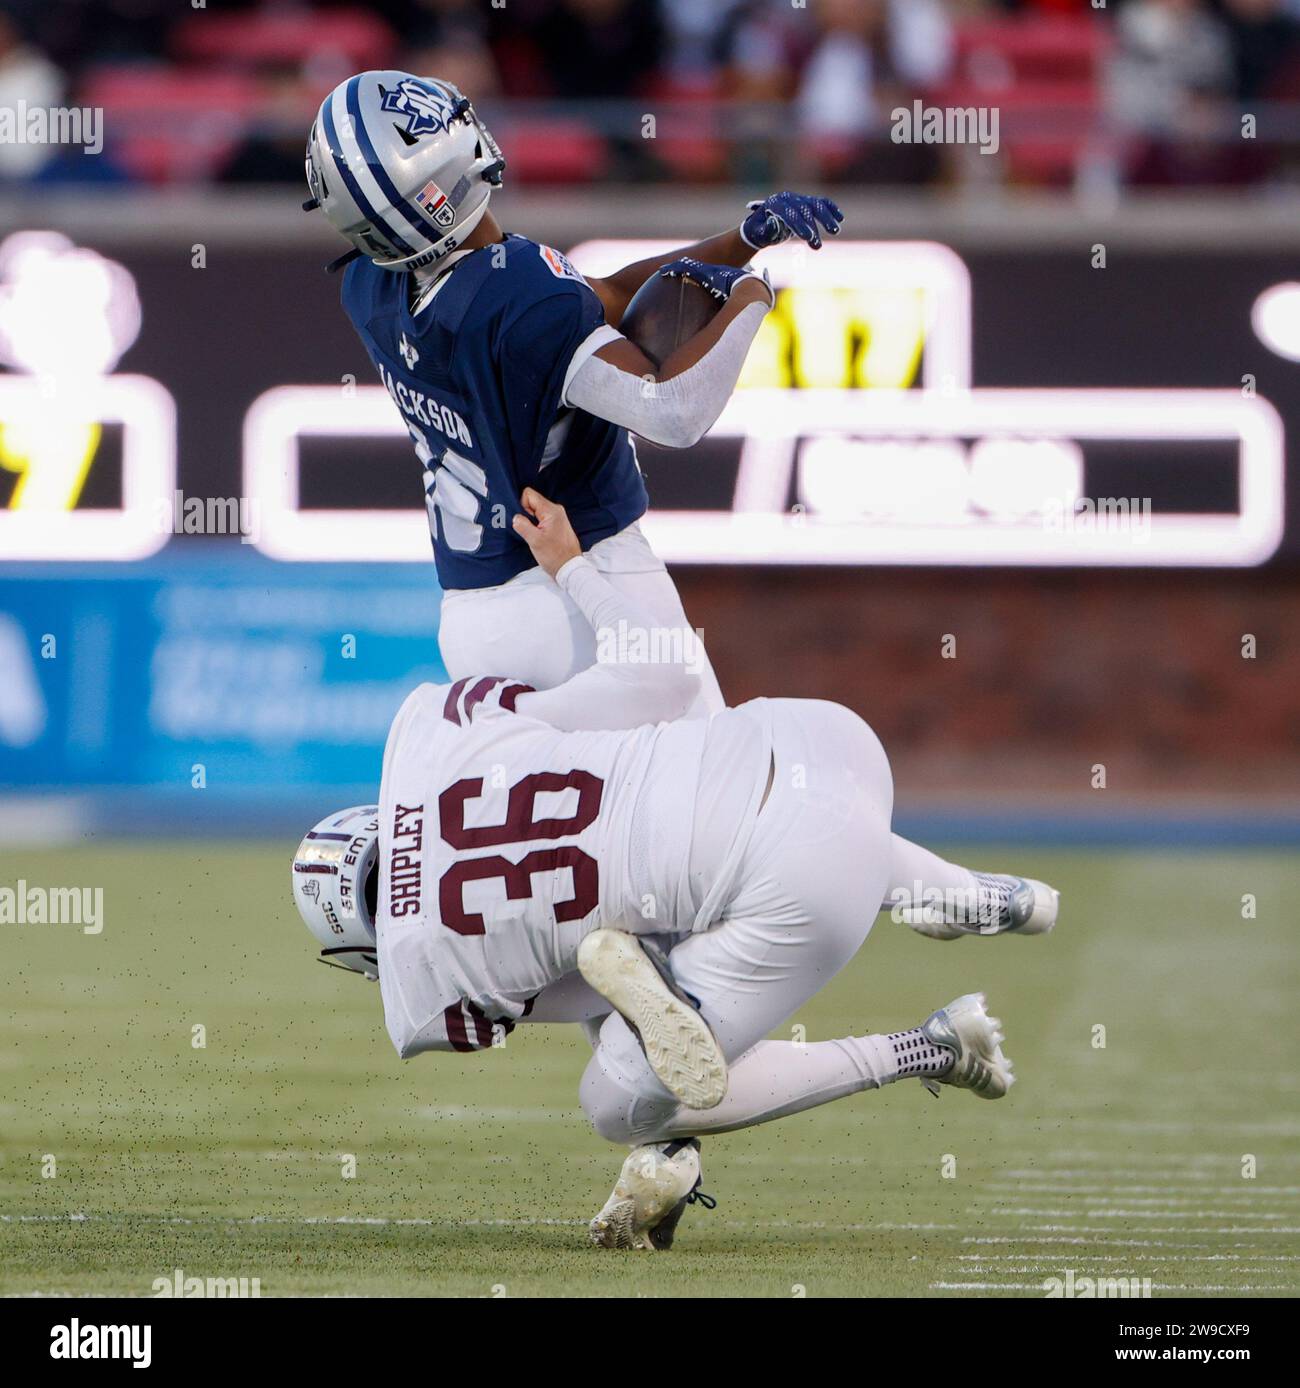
509,370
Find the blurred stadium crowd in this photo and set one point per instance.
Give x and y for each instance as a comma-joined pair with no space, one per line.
1137,92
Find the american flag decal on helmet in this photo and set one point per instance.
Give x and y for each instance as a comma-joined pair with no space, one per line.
436,203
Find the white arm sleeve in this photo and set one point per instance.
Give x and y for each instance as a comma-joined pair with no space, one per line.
621,691
677,412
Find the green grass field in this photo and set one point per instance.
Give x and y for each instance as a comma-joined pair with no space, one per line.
476,1176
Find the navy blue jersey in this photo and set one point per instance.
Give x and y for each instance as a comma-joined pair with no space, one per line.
478,375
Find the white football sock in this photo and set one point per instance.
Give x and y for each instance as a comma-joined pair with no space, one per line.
915,1054
916,875
778,1078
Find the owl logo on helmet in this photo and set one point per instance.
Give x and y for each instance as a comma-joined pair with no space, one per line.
427,109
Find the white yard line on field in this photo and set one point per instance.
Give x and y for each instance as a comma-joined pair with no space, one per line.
1066,1236
798,1226
1213,1166
1241,1258
1147,1162
1171,1127
1072,1233
1242,1191
987,1287
1028,1212
1155,1287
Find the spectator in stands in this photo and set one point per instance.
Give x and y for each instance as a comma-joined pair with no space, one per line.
105,31
445,22
449,39
1171,83
463,61
868,53
26,76
1171,53
693,29
845,64
599,48
1264,47
273,150
871,56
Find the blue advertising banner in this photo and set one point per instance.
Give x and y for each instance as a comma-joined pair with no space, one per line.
209,668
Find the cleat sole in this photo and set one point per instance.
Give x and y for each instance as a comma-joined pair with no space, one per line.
613,1226
682,1050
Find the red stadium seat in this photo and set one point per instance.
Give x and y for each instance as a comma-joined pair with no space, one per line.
688,140
1050,64
552,150
166,125
355,38
1044,126
1038,48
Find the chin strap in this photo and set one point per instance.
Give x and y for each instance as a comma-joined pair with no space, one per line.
370,958
345,259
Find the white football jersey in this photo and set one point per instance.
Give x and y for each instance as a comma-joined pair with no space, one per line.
505,840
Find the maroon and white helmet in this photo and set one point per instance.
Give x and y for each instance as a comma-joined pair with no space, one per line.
336,887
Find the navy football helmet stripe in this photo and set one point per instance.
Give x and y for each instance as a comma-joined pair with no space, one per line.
353,187
377,170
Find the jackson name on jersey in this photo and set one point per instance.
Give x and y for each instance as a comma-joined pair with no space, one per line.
478,374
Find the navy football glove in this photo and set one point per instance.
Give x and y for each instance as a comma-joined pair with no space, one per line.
719,280
783,215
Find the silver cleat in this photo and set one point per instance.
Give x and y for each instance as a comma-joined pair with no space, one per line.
1002,905
975,1039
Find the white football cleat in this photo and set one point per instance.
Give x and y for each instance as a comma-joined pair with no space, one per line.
975,1039
656,1184
635,977
1002,905
1034,907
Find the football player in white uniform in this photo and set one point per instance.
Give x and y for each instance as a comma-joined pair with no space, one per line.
544,855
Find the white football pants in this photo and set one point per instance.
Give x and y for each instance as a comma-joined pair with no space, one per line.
812,881
530,629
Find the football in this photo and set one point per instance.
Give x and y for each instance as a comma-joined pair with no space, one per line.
664,313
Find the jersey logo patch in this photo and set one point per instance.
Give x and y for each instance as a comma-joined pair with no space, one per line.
435,202
409,355
560,265
426,109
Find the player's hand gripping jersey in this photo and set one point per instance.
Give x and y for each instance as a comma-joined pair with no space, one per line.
513,822
479,374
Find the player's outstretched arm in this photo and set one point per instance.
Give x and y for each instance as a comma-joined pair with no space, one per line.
676,403
643,672
768,222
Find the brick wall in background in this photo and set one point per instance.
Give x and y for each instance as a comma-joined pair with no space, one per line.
1053,671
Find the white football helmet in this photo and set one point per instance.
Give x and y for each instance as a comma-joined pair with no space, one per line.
401,166
336,887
